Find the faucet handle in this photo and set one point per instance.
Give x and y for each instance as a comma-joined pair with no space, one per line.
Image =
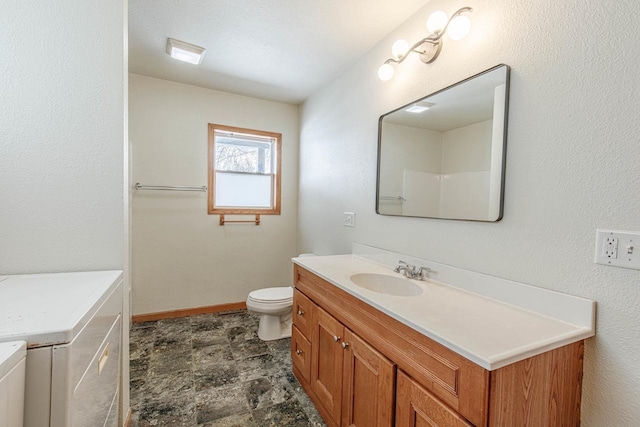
405,264
422,273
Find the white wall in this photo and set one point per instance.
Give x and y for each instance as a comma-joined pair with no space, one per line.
465,195
182,257
466,164
408,148
572,166
468,148
62,140
61,115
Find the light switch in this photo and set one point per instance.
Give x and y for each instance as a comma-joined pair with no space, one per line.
349,219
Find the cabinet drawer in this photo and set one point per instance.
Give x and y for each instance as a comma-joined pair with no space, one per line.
86,344
93,397
415,406
301,353
303,312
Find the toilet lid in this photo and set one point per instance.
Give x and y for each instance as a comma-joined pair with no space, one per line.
284,293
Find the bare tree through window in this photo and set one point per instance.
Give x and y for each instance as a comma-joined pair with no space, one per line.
254,158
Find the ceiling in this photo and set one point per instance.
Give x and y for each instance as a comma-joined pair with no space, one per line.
282,50
465,103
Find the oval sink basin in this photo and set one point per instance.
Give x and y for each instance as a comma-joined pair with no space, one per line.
384,284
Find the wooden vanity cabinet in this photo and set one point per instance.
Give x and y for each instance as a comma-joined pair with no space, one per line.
347,355
368,385
417,407
326,363
352,384
301,353
303,313
303,318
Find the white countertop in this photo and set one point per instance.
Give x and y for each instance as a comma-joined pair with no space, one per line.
49,309
10,354
486,331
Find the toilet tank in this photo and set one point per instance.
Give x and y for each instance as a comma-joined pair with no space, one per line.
12,374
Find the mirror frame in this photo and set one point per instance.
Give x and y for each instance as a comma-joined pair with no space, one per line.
504,145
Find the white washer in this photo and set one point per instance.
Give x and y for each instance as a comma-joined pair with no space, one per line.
12,369
71,323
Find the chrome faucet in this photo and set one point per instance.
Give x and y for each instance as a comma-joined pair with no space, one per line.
423,273
406,269
411,271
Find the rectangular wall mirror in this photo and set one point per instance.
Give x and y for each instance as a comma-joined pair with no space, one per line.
443,156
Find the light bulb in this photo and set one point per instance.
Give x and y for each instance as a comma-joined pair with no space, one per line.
385,72
436,22
399,49
459,27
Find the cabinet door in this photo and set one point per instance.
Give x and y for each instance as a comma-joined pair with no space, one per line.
326,363
368,385
416,407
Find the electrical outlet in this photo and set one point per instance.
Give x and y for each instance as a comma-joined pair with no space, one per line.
610,247
618,248
349,219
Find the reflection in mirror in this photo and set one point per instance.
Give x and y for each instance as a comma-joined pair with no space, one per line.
443,156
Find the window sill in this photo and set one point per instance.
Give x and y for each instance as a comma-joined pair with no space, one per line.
241,211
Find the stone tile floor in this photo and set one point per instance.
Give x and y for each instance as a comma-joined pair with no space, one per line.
213,370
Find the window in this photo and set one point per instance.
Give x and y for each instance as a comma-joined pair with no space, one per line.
244,171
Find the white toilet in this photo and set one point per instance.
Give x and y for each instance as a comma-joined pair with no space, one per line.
12,376
274,306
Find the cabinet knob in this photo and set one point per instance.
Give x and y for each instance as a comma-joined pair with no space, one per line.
300,312
336,338
298,352
345,345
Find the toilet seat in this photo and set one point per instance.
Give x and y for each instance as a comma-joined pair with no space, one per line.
277,295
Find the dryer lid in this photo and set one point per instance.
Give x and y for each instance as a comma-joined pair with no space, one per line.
284,293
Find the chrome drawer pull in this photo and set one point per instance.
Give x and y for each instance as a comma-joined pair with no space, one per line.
336,338
298,352
300,313
345,345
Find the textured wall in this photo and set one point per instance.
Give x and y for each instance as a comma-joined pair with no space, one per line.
572,166
62,142
61,138
182,257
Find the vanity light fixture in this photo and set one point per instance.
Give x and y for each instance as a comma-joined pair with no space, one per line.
185,51
428,48
419,107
